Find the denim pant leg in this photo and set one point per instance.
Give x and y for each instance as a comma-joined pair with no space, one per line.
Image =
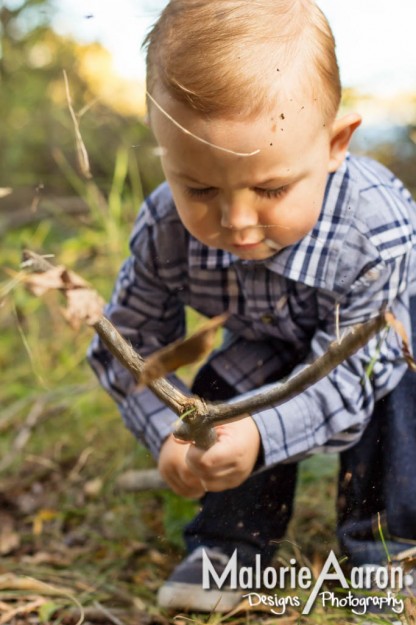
378,477
251,517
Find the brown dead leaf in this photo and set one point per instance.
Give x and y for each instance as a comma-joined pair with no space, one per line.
9,538
156,557
84,305
24,608
9,581
290,617
317,564
93,487
43,516
53,559
399,328
181,352
57,278
410,610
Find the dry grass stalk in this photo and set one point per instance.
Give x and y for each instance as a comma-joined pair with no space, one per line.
82,154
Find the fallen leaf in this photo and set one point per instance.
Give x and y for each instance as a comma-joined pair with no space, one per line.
9,581
317,564
44,515
26,608
42,557
92,488
181,352
139,604
156,557
290,616
9,538
410,610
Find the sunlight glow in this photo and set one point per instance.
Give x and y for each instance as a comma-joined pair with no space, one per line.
375,39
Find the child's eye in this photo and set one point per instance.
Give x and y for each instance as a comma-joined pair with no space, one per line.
195,192
270,193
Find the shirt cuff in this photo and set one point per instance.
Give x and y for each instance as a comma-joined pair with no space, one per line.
285,436
148,418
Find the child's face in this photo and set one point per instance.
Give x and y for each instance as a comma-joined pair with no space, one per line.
250,206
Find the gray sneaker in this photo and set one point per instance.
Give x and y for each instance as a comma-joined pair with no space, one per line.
183,590
408,587
407,590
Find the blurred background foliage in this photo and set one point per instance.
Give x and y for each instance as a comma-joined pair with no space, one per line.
48,392
36,127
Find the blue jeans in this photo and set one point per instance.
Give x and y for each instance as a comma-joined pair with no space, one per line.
377,477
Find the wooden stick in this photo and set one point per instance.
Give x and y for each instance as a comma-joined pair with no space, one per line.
129,358
281,393
198,417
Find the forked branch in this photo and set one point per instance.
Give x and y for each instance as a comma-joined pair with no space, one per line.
198,417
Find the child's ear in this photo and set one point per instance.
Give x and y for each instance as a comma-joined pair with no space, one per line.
342,131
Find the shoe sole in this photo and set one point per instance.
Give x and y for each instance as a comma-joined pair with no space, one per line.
192,597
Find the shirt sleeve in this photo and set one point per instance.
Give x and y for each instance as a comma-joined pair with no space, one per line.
149,315
332,414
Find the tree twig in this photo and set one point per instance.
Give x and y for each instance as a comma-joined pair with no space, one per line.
337,352
128,357
145,479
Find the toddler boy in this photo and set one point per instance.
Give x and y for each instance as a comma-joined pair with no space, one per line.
265,215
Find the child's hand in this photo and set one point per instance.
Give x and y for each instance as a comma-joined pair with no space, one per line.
175,471
230,461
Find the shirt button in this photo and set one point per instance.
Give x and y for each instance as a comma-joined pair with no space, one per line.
267,319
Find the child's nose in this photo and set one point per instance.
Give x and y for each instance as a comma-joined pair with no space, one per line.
238,215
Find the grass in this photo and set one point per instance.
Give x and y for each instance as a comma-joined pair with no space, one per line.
63,445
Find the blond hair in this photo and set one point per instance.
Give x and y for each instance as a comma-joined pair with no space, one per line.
227,57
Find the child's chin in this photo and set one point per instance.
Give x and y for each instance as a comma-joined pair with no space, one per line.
261,253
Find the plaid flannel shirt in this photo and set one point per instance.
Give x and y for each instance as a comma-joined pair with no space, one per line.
358,258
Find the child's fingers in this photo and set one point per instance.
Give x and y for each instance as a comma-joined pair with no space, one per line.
212,461
193,489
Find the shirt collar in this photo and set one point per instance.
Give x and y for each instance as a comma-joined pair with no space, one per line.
208,257
313,260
